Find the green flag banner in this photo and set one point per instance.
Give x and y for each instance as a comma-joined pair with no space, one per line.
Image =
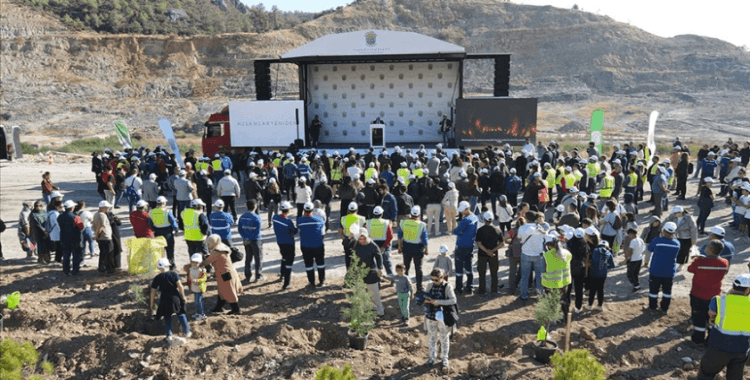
123,134
597,123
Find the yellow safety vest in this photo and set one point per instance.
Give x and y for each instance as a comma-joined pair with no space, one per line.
159,218
733,314
336,174
419,173
607,187
276,162
201,166
570,181
654,168
577,175
557,274
351,220
594,168
369,172
216,164
632,179
190,219
551,177
378,229
404,173
560,172
412,230
647,154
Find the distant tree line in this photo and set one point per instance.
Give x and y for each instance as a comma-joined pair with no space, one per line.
181,17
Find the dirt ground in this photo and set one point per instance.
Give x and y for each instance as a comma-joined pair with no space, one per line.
94,327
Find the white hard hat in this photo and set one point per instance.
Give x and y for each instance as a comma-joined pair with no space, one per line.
443,248
718,231
353,206
69,204
161,199
104,204
670,227
463,206
163,263
140,203
285,206
219,203
308,206
197,202
415,211
196,258
377,210
488,216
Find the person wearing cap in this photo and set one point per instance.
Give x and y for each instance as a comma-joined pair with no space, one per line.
513,186
249,227
285,230
164,224
47,187
708,273
289,177
531,236
403,173
303,194
450,206
706,203
602,261
369,255
371,172
139,221
352,218
303,169
205,188
311,231
370,198
53,227
729,340
216,168
663,266
135,194
228,189
24,229
465,232
70,238
196,279
40,236
381,232
171,300
686,233
413,243
571,198
196,226
659,191
183,188
103,236
718,233
708,166
221,223
489,241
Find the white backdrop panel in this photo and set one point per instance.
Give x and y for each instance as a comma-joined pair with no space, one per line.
409,97
271,123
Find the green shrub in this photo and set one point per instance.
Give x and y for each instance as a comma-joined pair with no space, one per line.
548,309
330,373
15,357
577,365
361,314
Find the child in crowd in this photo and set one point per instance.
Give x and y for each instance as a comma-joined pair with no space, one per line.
634,257
601,262
405,292
171,301
444,262
197,282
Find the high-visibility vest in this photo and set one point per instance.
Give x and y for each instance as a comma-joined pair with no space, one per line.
557,274
607,187
404,173
647,154
336,174
594,168
419,173
216,164
276,162
654,168
378,229
570,181
560,172
577,175
369,173
190,219
159,218
551,177
348,221
412,230
543,195
201,166
632,179
733,314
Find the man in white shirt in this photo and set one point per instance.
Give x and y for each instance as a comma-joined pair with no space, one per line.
135,181
229,190
529,149
634,258
531,236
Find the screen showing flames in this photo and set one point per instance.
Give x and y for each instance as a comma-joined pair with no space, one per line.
488,121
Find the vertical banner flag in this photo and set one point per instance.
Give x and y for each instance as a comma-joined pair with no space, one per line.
123,134
166,129
650,142
597,123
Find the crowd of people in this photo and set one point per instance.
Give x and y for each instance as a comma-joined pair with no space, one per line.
561,218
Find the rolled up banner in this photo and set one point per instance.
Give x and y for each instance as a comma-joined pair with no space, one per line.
166,129
597,124
123,134
650,141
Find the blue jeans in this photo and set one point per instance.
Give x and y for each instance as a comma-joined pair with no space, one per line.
47,198
181,205
473,200
445,139
75,251
199,304
527,264
462,257
131,204
183,323
88,238
387,263
495,198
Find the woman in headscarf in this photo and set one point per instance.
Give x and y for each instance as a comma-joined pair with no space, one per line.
226,276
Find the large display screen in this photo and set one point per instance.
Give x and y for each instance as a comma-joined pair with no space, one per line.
490,121
266,123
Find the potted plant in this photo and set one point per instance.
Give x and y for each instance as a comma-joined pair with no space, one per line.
361,314
548,310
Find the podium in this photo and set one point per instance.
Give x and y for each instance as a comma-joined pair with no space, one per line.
377,135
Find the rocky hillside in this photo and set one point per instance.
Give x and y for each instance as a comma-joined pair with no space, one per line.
55,76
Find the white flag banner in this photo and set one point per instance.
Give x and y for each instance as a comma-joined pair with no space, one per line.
650,142
166,129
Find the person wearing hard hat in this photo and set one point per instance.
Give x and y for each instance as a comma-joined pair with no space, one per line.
196,226
489,241
103,236
216,168
171,301
413,243
249,227
139,220
718,233
708,273
729,341
557,271
663,266
381,232
70,238
311,231
285,231
352,218
183,192
164,224
221,223
686,234
465,233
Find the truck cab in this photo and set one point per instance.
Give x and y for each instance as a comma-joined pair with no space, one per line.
216,134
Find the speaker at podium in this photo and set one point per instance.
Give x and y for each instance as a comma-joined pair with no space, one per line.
377,135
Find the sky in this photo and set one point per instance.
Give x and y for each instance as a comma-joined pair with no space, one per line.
723,19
